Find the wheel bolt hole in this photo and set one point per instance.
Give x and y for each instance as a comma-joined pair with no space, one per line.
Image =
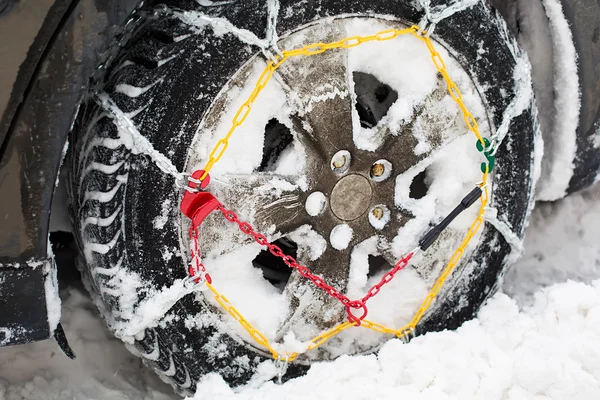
380,170
315,204
378,213
379,216
340,162
377,170
340,236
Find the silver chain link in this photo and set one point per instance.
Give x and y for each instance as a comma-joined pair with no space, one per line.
433,15
140,144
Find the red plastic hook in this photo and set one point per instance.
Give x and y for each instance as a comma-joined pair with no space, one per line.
197,205
358,305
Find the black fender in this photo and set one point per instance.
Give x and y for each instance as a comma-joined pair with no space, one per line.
74,39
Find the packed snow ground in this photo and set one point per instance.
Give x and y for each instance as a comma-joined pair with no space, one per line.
542,342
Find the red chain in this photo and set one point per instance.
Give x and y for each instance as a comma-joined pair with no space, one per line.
318,281
197,270
387,278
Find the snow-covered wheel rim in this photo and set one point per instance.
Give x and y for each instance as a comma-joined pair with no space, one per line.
166,80
400,157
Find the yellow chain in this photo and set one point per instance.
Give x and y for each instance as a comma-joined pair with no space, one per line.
221,146
311,49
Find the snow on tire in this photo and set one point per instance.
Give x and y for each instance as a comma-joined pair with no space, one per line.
156,108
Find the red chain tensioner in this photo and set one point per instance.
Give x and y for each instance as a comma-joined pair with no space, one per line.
197,204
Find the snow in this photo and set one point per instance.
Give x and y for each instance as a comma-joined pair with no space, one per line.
379,223
520,102
51,291
309,241
548,351
315,203
340,236
161,220
545,34
220,26
261,304
134,91
104,369
539,343
561,244
244,153
446,9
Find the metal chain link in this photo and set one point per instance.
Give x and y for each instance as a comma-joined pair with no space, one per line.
197,270
139,143
438,13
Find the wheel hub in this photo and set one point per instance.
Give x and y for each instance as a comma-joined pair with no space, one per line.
350,197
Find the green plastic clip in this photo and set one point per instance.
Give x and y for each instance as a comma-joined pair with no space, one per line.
489,166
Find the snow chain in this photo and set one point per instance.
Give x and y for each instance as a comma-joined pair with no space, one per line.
197,204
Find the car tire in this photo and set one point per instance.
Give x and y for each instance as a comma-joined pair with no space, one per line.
118,194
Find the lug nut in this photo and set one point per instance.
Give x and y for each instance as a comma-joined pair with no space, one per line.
379,216
380,170
340,162
377,170
377,212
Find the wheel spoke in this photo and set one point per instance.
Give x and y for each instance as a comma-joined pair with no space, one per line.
265,200
324,118
312,310
420,137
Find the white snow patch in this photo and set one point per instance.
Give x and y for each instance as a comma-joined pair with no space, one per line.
379,223
521,101
51,290
547,351
161,220
103,369
561,243
245,150
278,186
220,26
561,146
309,241
315,203
446,187
596,137
262,304
340,236
134,91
